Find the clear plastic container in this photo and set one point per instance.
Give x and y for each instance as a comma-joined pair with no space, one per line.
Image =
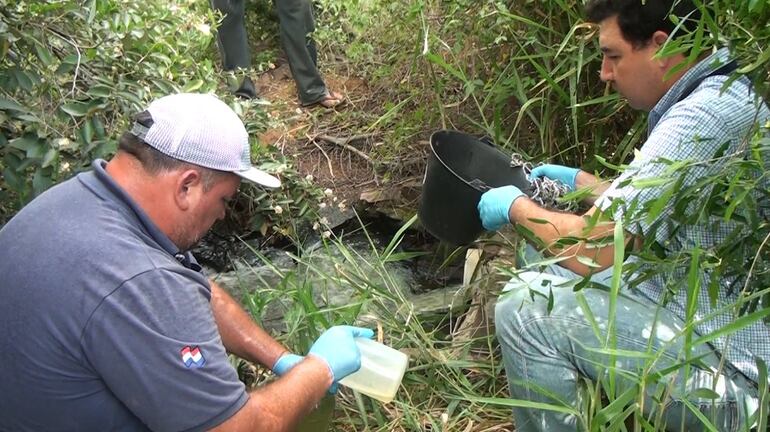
382,369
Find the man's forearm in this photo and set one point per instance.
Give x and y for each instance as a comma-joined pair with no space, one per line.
240,334
550,226
585,180
279,405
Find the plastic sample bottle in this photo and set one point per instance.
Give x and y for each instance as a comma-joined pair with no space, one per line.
382,369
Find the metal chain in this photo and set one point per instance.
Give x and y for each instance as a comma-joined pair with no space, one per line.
545,191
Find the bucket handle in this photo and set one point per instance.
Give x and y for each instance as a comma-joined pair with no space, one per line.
486,139
479,184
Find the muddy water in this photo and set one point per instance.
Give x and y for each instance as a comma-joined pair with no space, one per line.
255,274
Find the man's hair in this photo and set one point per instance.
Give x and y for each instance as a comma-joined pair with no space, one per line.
639,19
155,162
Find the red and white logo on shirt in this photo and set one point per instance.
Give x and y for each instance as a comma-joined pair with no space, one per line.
192,357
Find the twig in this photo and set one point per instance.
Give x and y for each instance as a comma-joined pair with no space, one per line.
328,161
70,41
343,142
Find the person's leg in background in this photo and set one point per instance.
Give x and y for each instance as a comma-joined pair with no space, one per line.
234,44
547,352
296,23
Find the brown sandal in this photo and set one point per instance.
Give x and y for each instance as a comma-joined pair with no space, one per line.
329,101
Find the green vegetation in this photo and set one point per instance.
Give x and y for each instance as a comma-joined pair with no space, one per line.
522,72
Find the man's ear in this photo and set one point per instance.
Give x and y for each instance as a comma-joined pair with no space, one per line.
659,38
188,188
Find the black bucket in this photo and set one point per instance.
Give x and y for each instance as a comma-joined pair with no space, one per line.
460,169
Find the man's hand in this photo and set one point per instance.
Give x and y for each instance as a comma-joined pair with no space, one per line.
560,173
495,204
285,363
337,347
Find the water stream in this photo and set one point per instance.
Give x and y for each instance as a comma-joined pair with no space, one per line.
337,272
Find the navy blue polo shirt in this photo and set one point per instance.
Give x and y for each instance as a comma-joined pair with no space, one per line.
104,324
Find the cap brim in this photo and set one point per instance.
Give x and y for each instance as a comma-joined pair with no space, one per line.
259,177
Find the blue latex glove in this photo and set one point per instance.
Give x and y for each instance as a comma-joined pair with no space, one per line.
285,363
494,206
338,349
566,175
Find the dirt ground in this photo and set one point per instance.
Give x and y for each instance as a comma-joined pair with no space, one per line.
316,138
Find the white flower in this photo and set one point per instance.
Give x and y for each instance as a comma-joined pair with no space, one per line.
309,177
204,28
326,234
322,205
316,226
63,143
277,209
324,221
341,205
328,192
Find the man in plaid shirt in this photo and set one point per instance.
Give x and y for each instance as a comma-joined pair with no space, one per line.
550,339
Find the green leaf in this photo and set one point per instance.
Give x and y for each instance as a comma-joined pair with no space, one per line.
738,324
91,11
705,422
404,256
623,353
98,127
659,204
38,150
193,86
87,131
7,104
40,182
649,182
100,90
761,414
545,262
598,101
16,182
756,5
457,73
75,109
704,393
50,157
26,142
614,408
550,299
44,55
588,262
523,404
23,79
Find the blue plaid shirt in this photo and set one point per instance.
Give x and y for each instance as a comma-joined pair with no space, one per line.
694,129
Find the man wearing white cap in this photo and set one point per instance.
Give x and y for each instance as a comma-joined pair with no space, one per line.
115,327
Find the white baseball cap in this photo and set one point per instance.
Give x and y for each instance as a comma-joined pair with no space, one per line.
202,130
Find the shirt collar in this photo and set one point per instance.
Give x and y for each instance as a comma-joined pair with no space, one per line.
103,181
699,70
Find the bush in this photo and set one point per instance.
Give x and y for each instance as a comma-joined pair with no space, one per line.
71,78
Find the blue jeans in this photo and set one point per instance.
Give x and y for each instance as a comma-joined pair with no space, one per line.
547,355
